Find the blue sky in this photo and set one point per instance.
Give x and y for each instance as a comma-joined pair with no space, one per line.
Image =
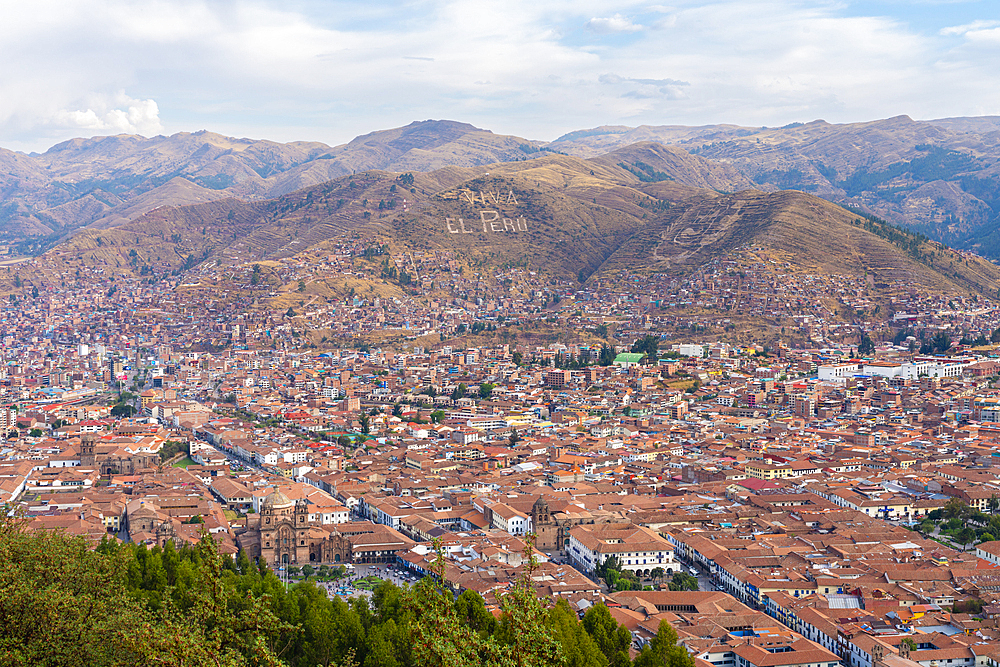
328,71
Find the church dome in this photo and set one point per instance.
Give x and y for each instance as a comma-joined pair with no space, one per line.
276,500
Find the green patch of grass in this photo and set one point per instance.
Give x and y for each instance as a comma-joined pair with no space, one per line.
184,462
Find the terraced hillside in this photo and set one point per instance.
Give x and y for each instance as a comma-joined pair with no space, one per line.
559,215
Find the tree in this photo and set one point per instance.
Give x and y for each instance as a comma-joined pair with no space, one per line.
459,391
956,509
866,346
437,416
607,356
612,639
648,345
485,389
64,603
365,424
514,437
578,648
993,503
663,650
657,573
682,581
122,410
965,536
440,639
517,358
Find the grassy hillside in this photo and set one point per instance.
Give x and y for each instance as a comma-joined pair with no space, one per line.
645,208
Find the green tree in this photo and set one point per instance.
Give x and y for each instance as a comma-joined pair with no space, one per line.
437,416
612,639
682,581
866,346
956,509
578,648
965,536
648,345
459,391
365,424
485,389
473,613
663,650
514,437
63,603
440,639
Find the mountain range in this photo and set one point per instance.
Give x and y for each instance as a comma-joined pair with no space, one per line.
645,208
590,205
939,177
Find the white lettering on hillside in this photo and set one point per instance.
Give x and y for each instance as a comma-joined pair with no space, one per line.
489,222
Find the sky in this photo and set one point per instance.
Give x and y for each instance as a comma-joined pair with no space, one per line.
322,70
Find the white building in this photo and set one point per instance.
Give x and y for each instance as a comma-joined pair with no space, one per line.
637,548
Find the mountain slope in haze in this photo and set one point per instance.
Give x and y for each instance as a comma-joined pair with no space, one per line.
113,179
941,177
560,216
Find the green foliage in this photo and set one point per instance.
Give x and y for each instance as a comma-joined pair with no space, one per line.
611,639
648,345
866,346
172,448
441,638
663,650
645,172
909,242
65,603
485,389
682,581
122,410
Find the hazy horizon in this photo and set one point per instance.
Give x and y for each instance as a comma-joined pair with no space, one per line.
330,71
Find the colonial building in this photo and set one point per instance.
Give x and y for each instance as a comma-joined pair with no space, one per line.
286,531
112,459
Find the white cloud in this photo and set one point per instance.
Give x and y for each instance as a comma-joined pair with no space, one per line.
975,26
120,115
612,24
327,71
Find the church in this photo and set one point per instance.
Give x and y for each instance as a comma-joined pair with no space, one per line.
112,459
283,533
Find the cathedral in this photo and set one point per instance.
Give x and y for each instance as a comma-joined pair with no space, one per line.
283,533
112,459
